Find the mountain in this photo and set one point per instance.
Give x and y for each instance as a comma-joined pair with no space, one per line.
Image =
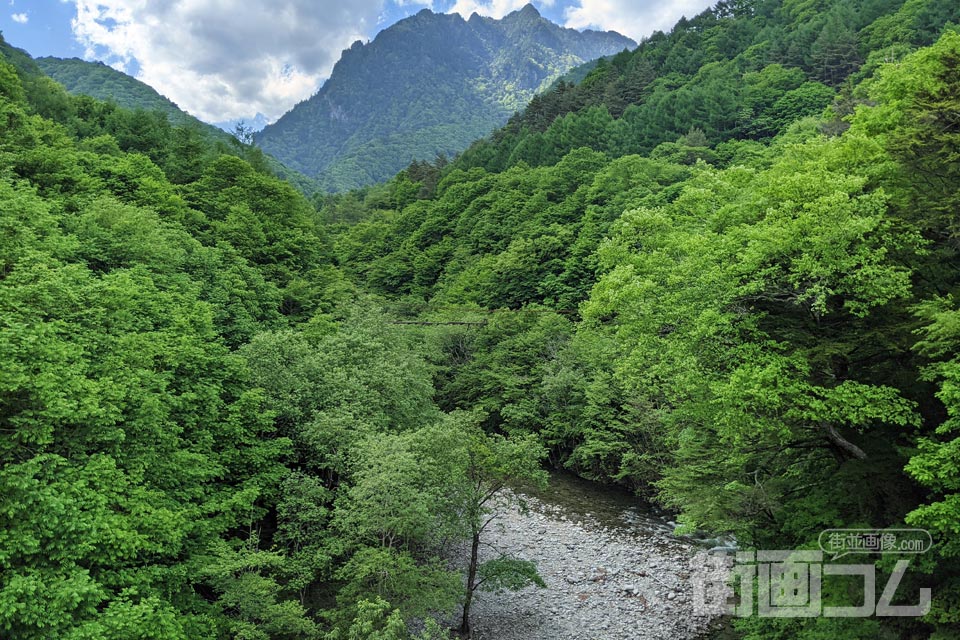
256,123
100,81
428,85
722,270
97,80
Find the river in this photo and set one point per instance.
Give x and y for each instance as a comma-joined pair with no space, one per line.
613,569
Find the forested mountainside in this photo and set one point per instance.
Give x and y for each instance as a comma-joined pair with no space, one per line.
230,412
97,80
430,84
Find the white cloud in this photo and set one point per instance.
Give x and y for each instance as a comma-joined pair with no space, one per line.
20,18
222,60
493,8
634,19
226,59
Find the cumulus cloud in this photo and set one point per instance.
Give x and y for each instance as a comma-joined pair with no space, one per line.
630,17
493,8
20,18
220,60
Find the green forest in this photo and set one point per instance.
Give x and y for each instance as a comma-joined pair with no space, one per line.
106,83
97,80
721,271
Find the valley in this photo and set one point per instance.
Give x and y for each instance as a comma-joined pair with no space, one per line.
492,335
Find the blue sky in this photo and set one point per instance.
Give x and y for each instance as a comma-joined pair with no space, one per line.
47,29
228,59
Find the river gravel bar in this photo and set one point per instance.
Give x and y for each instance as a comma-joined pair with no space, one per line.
602,583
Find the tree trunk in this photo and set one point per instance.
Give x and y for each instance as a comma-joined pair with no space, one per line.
471,585
834,436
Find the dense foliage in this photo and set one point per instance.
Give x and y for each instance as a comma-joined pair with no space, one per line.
726,269
743,70
206,431
430,84
722,270
97,80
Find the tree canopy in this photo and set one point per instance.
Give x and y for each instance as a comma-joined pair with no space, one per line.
720,270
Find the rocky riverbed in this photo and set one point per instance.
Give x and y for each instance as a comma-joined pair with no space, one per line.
604,582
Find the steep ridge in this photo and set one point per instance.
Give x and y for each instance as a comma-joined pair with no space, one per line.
428,85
